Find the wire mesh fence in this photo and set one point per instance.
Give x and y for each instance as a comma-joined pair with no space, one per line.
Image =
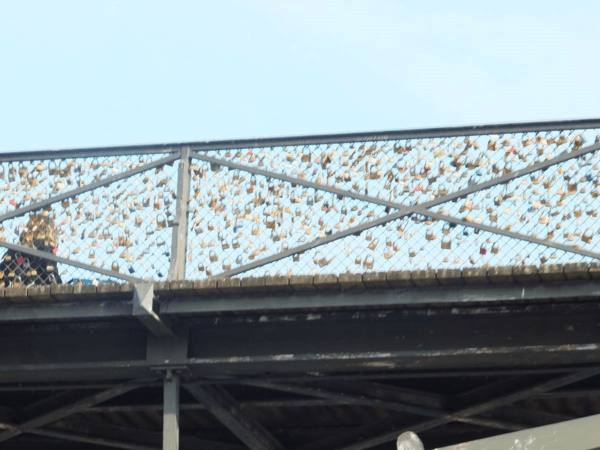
121,226
274,216
488,197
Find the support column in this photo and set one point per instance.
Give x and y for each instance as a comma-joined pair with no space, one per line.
180,223
171,412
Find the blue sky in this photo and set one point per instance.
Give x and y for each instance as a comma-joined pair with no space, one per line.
81,74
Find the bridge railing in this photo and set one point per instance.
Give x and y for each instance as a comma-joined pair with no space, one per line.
445,198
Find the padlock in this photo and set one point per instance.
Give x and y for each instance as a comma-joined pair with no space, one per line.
446,243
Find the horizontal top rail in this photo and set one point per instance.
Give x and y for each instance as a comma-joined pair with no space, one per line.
316,139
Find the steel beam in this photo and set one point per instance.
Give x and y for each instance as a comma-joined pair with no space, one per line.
408,340
103,441
277,403
67,386
571,393
180,223
143,300
228,412
361,376
171,412
440,295
391,298
531,418
448,360
443,295
21,313
50,403
385,392
389,429
364,395
577,434
66,410
127,436
164,353
482,393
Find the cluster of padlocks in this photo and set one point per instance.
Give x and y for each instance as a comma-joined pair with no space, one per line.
377,205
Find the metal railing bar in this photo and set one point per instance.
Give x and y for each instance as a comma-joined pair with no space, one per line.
441,132
180,223
83,189
419,209
70,262
495,230
316,243
370,136
92,152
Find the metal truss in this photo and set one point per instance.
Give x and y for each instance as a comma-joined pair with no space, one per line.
206,358
487,407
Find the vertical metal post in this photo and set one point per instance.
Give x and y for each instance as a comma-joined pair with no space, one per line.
171,412
180,223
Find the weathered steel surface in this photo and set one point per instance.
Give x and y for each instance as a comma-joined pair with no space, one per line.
228,412
388,430
65,411
143,309
111,302
474,337
121,436
171,412
369,397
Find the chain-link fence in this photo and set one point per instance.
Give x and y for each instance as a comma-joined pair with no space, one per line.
108,213
453,198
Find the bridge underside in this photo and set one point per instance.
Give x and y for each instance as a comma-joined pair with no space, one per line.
322,365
